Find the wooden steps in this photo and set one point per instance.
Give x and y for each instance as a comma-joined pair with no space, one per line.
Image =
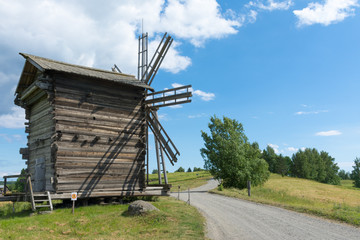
41,200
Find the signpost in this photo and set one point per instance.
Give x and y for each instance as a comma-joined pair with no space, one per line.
73,199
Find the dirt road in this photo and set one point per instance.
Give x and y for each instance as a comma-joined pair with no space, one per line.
229,218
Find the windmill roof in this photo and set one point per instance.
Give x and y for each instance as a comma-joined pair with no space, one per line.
34,63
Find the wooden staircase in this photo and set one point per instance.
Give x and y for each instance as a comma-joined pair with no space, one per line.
42,200
38,200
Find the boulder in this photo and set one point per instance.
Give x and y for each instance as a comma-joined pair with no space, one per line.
139,207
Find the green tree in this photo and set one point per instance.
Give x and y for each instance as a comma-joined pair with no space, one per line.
197,169
230,157
189,170
344,175
282,165
155,171
355,174
20,182
180,169
270,157
311,164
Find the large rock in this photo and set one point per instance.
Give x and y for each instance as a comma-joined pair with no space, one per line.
139,207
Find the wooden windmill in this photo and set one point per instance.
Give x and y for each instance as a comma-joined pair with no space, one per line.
155,100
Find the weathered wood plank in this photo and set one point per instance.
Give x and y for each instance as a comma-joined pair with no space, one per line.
98,131
97,87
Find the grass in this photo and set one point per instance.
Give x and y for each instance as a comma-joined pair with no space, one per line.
183,179
334,202
176,220
348,184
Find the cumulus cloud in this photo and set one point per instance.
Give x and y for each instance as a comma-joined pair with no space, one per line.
205,96
196,20
292,149
275,147
93,34
328,133
14,119
329,12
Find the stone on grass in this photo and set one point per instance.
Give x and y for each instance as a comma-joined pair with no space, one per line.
139,207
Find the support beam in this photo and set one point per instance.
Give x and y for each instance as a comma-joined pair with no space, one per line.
169,97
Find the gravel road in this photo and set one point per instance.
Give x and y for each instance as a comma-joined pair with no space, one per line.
230,218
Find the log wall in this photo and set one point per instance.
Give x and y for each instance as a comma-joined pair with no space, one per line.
99,135
41,127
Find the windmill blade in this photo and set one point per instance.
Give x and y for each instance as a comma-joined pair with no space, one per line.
162,137
157,59
169,97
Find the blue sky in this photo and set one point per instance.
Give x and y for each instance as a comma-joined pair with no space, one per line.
287,70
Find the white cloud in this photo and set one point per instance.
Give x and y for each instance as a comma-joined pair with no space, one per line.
252,16
176,85
175,106
196,20
292,149
311,112
331,11
15,119
271,5
329,133
173,62
99,35
204,95
275,147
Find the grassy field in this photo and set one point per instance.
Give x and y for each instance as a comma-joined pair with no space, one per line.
334,202
348,184
176,220
183,179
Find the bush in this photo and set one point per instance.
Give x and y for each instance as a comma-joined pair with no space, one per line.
180,169
196,169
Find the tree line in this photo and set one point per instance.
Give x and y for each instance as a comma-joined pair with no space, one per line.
308,163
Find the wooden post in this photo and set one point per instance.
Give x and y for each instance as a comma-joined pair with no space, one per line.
73,207
189,196
249,188
5,185
178,192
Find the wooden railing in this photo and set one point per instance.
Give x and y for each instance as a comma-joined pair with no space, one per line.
12,176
